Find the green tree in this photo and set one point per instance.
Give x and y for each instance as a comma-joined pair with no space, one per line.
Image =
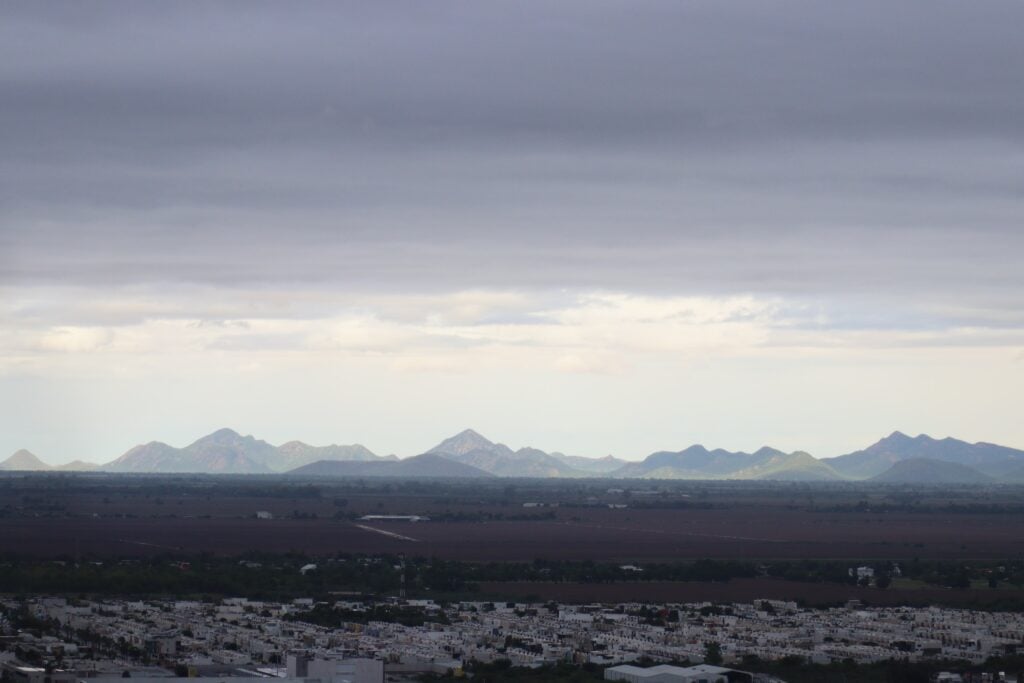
712,653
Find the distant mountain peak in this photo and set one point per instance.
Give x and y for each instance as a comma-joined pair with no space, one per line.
229,438
472,434
898,437
222,437
224,434
23,460
465,441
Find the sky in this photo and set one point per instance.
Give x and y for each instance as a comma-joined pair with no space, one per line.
585,226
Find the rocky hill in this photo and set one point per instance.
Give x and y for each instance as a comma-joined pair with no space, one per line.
23,460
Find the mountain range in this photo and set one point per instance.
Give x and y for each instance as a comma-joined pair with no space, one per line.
897,458
26,461
469,448
228,451
987,458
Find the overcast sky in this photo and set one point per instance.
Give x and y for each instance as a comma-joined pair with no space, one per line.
594,227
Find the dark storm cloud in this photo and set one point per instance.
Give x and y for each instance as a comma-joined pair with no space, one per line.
700,146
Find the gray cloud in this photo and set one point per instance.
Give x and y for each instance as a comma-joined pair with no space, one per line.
801,148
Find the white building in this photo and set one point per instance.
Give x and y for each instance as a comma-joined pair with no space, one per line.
665,673
360,670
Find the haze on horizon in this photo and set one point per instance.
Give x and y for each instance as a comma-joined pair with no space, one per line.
591,227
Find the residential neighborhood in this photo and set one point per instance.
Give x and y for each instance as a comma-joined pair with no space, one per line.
238,637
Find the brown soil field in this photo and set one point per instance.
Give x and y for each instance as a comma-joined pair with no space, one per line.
598,534
740,590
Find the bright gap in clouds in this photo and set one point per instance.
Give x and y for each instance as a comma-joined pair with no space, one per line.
586,372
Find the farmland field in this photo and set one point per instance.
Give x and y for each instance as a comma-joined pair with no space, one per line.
126,516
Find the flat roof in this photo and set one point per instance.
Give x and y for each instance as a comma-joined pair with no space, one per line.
669,669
